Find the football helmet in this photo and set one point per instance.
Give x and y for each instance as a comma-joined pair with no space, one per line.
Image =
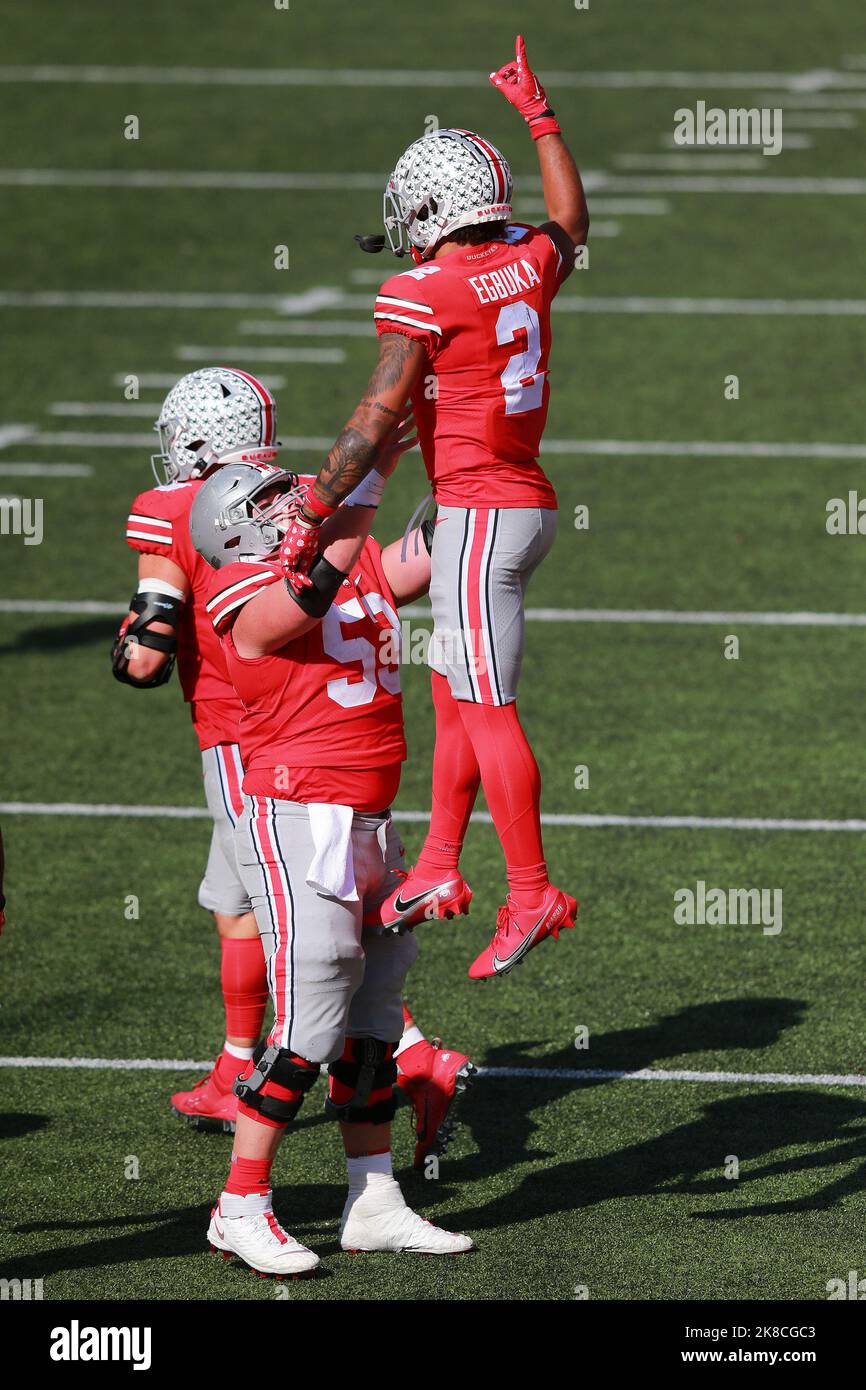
227,522
445,180
211,417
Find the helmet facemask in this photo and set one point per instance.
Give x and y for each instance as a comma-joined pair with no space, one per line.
261,528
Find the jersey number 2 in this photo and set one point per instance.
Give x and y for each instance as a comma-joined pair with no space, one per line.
522,382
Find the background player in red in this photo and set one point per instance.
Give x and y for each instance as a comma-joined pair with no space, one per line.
323,743
466,335
209,418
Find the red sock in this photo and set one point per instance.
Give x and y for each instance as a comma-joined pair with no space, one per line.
244,985
226,1069
249,1176
408,1020
512,786
456,778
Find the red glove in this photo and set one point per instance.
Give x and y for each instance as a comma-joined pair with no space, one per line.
519,85
300,544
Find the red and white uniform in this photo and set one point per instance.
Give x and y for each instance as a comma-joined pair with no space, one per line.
323,715
158,524
482,314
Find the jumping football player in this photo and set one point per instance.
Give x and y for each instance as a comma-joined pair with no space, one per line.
322,742
466,335
209,418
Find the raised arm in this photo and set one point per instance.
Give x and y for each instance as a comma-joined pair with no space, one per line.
355,453
361,440
561,183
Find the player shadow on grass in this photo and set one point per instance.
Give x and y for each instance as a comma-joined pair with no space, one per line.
498,1112
751,1127
311,1212
60,636
16,1124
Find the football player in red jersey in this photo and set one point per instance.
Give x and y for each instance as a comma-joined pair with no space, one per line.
209,418
466,336
317,671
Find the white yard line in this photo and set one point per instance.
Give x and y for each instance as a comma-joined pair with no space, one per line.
315,328
729,1078
163,381
610,448
645,304
308,301
239,179
675,616
701,448
770,183
814,101
325,357
338,183
45,470
415,78
115,811
623,207
114,408
690,161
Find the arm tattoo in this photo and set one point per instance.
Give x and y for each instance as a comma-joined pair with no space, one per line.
369,404
349,461
395,350
355,453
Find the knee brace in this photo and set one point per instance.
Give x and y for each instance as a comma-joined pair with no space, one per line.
276,1085
362,1082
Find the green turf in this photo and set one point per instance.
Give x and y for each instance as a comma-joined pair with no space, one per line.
615,1186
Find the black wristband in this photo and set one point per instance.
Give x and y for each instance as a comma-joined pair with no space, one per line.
317,597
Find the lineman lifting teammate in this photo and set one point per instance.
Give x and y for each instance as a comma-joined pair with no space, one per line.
322,742
466,335
210,419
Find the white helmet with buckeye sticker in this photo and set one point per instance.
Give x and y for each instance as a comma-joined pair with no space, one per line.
445,180
211,417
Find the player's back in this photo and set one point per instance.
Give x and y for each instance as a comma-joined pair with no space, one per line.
482,314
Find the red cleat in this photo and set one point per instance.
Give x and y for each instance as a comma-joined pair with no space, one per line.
433,1079
517,932
206,1106
417,901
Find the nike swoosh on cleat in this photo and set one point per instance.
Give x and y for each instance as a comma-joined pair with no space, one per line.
517,955
400,906
221,1234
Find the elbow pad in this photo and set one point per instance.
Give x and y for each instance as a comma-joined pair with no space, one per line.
317,597
148,608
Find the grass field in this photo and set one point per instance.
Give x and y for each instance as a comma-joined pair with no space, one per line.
615,1187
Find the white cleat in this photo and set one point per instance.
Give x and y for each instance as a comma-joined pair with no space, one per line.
260,1241
379,1219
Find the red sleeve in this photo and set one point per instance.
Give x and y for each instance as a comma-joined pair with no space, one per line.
150,526
405,304
235,585
373,554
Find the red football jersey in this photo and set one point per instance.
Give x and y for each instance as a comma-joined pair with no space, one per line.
323,715
159,525
483,316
